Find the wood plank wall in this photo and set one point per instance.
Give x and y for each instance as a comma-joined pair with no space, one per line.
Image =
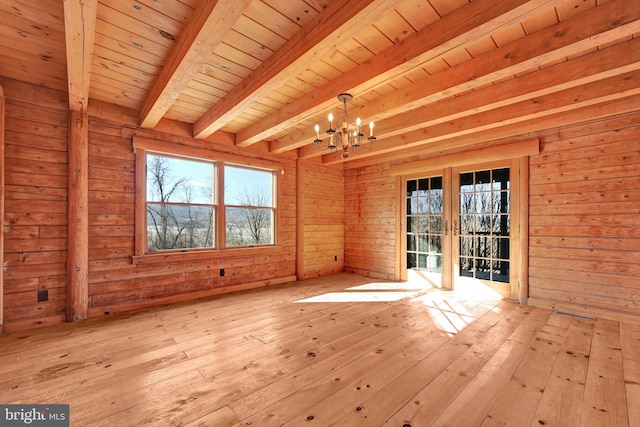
323,214
584,250
36,219
370,195
115,284
35,205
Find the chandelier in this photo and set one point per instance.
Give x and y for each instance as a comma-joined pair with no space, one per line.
347,137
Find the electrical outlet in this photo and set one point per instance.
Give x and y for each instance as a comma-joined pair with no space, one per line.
43,295
222,272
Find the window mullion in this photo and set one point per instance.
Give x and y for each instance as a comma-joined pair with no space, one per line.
221,221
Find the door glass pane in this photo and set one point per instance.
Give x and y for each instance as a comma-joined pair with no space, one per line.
484,224
424,224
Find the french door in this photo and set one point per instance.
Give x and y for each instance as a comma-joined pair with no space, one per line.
459,227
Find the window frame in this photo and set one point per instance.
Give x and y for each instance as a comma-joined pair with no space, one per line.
143,146
225,206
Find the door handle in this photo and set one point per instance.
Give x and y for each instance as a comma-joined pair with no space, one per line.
446,227
455,227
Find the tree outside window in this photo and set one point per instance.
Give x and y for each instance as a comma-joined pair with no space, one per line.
249,206
180,204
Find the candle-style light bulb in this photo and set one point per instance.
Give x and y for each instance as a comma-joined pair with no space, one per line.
358,122
330,120
317,128
370,128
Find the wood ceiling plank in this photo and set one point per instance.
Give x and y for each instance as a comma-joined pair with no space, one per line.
212,20
248,46
297,11
608,109
32,72
119,63
271,18
111,95
373,40
469,23
508,34
254,31
176,10
418,13
394,26
122,82
118,19
541,21
211,68
233,60
80,24
611,21
210,80
24,25
556,104
314,41
137,12
150,52
617,60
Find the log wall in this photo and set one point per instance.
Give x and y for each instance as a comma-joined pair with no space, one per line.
322,198
584,250
35,217
117,284
370,221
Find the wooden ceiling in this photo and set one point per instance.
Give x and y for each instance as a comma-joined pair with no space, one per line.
435,75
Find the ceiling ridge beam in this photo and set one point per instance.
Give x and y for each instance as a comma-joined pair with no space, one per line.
475,20
342,19
211,21
79,30
611,21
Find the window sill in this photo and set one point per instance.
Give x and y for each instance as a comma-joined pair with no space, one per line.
155,258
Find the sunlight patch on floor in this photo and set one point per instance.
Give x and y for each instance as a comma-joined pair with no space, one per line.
363,296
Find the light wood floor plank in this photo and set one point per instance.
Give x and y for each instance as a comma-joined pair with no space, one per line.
604,395
561,402
527,384
630,342
342,350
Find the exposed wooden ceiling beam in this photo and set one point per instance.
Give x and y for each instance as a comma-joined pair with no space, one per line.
425,145
471,22
79,29
615,60
610,22
601,91
206,29
341,20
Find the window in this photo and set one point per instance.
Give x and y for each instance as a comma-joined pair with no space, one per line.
249,207
198,200
180,203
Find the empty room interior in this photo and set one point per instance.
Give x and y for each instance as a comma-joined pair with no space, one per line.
320,212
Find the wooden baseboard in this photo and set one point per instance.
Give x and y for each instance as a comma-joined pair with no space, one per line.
584,311
117,308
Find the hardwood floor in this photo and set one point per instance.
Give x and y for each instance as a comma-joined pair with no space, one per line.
341,350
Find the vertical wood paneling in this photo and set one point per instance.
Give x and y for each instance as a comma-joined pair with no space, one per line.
370,221
584,206
35,199
323,215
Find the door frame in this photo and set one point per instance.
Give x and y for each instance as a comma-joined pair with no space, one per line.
515,155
